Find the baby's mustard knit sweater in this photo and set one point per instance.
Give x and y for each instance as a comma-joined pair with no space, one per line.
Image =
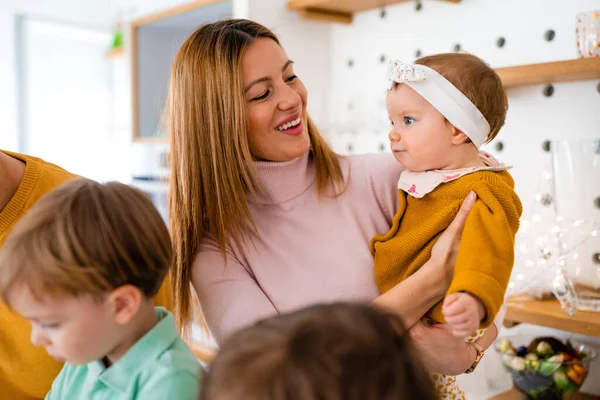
486,254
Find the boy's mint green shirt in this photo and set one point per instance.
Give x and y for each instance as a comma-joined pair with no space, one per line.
159,366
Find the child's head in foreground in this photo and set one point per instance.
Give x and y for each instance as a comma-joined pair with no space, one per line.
443,108
83,265
326,352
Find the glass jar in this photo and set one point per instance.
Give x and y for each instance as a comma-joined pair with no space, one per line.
576,199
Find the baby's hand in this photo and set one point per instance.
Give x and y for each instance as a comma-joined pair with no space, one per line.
463,313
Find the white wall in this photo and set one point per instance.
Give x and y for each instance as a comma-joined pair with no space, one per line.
88,13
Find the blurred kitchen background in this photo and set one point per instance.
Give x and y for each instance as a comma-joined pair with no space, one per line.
83,85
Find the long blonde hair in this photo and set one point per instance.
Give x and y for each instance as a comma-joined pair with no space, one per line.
211,164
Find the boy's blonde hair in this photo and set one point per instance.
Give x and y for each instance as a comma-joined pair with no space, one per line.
336,351
476,80
87,238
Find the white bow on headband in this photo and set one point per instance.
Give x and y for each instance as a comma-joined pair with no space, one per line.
403,73
444,96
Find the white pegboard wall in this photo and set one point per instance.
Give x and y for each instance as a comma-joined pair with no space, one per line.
358,120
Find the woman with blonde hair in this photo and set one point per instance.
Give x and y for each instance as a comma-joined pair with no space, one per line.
265,217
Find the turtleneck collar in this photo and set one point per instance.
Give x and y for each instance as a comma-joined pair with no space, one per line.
282,181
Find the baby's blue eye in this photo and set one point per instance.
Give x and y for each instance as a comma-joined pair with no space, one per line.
408,120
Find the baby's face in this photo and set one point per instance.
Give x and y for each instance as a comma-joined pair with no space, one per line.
73,329
420,138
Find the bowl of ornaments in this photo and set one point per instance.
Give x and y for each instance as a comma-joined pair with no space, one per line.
547,368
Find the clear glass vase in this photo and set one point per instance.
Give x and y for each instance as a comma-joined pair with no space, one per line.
576,200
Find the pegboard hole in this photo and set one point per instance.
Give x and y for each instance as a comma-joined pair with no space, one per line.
548,91
598,87
350,63
547,145
500,42
549,35
382,58
350,106
381,147
382,13
597,202
418,6
418,53
457,48
499,146
596,258
350,147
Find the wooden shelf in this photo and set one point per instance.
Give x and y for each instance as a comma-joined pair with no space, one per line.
514,394
559,71
114,53
522,308
202,352
339,11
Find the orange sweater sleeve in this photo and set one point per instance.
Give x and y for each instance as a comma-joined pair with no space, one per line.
486,255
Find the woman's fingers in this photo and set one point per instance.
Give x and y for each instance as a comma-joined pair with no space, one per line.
445,249
457,225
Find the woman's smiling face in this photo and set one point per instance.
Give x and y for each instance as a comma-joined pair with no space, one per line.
276,103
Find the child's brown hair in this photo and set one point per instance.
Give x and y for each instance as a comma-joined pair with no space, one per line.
476,80
87,238
326,352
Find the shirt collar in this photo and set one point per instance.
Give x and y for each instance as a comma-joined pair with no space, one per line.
148,348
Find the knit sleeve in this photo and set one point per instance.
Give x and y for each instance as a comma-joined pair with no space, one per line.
486,255
230,297
384,172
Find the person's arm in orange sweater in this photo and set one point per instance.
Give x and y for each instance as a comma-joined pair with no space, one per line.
164,297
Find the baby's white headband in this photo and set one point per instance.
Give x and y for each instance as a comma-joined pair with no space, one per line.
444,96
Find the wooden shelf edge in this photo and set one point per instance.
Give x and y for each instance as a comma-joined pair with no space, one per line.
202,352
170,12
544,73
549,313
340,12
114,53
325,16
514,394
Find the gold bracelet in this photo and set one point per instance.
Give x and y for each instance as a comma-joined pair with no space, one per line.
478,358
